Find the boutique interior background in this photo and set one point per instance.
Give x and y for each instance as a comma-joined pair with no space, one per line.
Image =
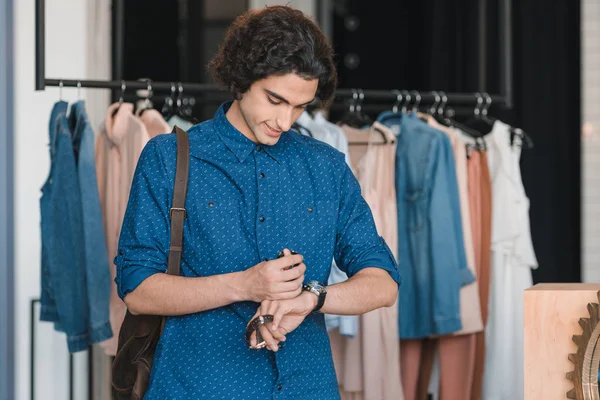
78,45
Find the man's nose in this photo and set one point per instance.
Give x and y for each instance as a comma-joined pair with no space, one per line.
285,119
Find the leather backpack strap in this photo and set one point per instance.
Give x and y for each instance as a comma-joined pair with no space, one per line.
178,212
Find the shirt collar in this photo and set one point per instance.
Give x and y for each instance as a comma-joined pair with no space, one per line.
239,144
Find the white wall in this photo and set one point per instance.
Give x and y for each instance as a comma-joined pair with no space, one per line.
590,90
67,56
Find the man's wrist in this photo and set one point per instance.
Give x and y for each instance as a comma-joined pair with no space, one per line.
237,282
311,299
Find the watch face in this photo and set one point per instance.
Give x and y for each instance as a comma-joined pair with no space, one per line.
318,286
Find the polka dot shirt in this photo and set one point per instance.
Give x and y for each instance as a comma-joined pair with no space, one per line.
245,202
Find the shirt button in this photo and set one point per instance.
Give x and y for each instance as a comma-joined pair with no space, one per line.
262,175
259,149
279,387
262,219
265,259
310,209
211,204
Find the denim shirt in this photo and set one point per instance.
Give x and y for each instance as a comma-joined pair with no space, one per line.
431,249
94,243
245,202
64,278
63,297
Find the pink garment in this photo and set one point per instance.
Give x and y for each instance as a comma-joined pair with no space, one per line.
368,365
154,122
470,307
118,148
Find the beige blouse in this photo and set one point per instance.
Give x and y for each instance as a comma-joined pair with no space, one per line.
119,144
367,365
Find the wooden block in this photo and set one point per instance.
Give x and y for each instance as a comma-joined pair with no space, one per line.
551,313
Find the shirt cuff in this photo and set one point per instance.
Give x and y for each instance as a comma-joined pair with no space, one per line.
379,256
130,273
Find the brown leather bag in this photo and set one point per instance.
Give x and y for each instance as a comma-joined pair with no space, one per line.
139,334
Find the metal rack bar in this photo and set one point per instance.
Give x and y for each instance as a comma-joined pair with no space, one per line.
369,94
41,81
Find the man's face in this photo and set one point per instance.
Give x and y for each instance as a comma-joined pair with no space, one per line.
273,104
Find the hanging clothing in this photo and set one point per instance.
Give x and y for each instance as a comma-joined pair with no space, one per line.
368,365
470,308
431,249
329,133
64,278
97,275
454,366
154,122
480,202
299,209
513,257
180,122
118,147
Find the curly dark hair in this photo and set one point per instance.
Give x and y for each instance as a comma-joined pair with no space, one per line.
276,40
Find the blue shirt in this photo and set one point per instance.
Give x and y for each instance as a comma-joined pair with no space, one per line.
430,239
245,202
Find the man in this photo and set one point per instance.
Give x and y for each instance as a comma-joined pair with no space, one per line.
255,188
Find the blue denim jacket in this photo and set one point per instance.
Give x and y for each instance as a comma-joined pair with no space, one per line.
431,250
64,283
96,256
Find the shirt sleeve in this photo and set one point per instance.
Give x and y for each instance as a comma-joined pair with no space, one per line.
358,245
144,239
448,247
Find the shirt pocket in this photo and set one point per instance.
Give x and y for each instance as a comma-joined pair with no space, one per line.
216,225
311,223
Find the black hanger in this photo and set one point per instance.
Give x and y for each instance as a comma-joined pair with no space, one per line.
525,139
480,121
395,108
168,110
355,117
121,96
184,108
443,118
147,103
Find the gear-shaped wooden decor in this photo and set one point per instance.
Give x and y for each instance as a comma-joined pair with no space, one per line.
587,358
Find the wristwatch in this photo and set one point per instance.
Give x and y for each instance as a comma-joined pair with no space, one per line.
319,289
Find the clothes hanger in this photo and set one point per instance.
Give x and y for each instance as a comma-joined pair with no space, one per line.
168,110
443,119
121,96
353,117
147,102
184,109
480,121
60,90
78,90
395,112
483,123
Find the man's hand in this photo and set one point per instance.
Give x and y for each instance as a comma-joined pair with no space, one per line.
269,280
287,316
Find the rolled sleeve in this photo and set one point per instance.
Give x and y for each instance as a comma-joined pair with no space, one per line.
144,239
358,245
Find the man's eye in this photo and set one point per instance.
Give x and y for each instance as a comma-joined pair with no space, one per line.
273,101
